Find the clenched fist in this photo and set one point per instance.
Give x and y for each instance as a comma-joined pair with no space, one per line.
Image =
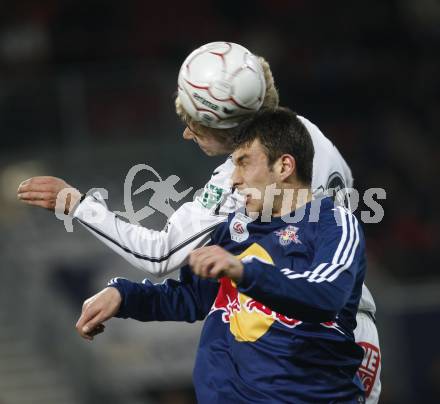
48,192
215,262
97,309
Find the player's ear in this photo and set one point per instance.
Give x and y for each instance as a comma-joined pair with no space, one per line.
287,166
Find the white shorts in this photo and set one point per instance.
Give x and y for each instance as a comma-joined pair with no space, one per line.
366,336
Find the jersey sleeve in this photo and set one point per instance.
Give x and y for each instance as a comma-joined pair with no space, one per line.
161,252
346,170
319,293
189,299
330,170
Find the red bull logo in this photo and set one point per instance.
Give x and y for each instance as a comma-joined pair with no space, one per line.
288,235
249,319
252,305
245,324
226,300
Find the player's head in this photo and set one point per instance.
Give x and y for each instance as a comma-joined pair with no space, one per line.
220,84
273,147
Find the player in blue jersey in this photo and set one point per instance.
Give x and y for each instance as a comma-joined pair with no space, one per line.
279,323
162,252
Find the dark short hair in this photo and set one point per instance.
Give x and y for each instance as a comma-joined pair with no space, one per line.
280,132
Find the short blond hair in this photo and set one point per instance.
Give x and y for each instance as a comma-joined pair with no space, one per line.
271,97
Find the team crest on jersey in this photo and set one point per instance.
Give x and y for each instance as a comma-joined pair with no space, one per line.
288,235
238,227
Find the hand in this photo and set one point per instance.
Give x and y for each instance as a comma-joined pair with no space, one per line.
96,310
43,192
215,262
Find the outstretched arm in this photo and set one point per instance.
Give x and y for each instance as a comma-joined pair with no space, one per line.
155,252
188,299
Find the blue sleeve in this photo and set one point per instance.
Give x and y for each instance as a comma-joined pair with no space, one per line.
319,293
188,299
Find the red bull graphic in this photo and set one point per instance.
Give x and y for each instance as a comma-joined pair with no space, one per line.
252,305
288,235
249,319
226,300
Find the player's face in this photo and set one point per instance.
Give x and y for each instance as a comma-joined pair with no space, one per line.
210,144
252,176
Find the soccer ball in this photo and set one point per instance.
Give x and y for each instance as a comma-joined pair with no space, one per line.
220,83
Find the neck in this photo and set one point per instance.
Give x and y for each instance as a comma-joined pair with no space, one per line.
291,199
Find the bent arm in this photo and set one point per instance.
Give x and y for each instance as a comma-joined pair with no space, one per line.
319,293
300,297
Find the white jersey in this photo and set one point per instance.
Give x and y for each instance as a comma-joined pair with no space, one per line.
329,168
161,252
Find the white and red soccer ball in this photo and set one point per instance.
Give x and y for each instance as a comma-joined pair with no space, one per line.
219,83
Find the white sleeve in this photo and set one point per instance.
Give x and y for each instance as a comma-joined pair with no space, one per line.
161,252
346,170
330,170
367,302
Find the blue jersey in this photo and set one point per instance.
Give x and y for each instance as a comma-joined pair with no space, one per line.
285,332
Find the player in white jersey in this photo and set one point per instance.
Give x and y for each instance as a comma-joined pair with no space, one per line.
161,252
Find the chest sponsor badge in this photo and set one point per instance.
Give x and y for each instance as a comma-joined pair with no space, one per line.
288,235
238,227
211,196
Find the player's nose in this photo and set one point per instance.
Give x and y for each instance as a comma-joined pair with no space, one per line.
237,179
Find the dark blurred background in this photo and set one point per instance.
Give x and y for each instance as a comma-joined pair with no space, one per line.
86,92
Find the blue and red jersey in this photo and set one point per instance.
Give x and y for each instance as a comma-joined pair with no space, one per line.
285,332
